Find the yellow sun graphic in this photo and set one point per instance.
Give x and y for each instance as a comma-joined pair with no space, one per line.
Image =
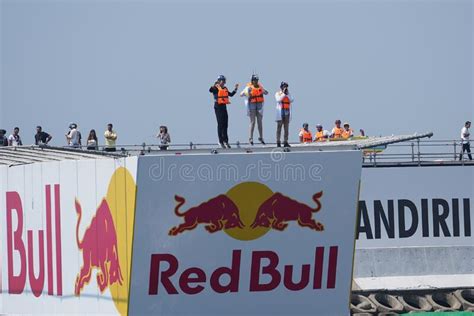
121,199
248,196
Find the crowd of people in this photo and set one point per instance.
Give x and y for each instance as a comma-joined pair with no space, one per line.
254,97
74,138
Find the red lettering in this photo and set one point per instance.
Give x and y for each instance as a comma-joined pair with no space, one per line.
233,272
16,283
57,227
36,283
318,267
156,259
288,278
270,269
49,240
332,267
185,280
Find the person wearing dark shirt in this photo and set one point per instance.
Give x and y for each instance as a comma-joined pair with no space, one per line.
41,138
3,138
221,99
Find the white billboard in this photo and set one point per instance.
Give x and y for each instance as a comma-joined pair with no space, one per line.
245,234
65,232
416,207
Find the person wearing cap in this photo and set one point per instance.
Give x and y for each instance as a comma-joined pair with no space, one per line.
337,130
14,139
110,138
347,132
73,136
466,146
41,138
254,99
3,138
321,134
221,99
283,110
305,134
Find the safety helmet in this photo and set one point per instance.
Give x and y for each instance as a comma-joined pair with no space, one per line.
221,78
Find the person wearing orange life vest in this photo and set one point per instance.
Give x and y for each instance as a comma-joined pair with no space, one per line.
348,132
320,135
305,134
283,110
254,93
221,99
337,130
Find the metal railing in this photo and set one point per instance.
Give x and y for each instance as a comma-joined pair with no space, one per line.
417,152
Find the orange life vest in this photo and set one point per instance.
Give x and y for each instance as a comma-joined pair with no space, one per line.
347,134
307,137
256,94
285,103
319,136
338,132
222,96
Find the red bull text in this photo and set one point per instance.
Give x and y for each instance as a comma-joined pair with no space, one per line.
16,246
193,280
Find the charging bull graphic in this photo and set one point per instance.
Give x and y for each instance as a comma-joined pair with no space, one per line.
218,213
99,249
277,210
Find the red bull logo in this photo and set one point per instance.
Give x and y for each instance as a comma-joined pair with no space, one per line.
248,211
99,249
106,243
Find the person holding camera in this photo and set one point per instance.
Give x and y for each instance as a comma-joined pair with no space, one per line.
283,110
221,99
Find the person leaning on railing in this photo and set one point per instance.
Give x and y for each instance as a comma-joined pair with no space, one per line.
164,138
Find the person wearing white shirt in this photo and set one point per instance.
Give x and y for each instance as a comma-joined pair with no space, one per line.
73,136
15,139
466,146
283,111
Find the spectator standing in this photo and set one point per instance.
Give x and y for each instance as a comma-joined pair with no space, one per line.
42,138
92,142
110,138
337,130
283,110
164,138
305,134
466,146
3,138
347,132
73,136
254,93
15,139
221,99
321,134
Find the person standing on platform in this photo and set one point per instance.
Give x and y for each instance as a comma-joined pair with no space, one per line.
283,110
466,146
221,99
254,93
110,138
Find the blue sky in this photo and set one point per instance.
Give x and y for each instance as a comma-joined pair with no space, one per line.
390,67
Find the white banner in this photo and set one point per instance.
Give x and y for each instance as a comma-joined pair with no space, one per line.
245,234
66,230
416,206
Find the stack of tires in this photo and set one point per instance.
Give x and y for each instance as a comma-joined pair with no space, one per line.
385,304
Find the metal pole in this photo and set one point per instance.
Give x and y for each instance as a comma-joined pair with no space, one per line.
454,143
412,152
418,148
